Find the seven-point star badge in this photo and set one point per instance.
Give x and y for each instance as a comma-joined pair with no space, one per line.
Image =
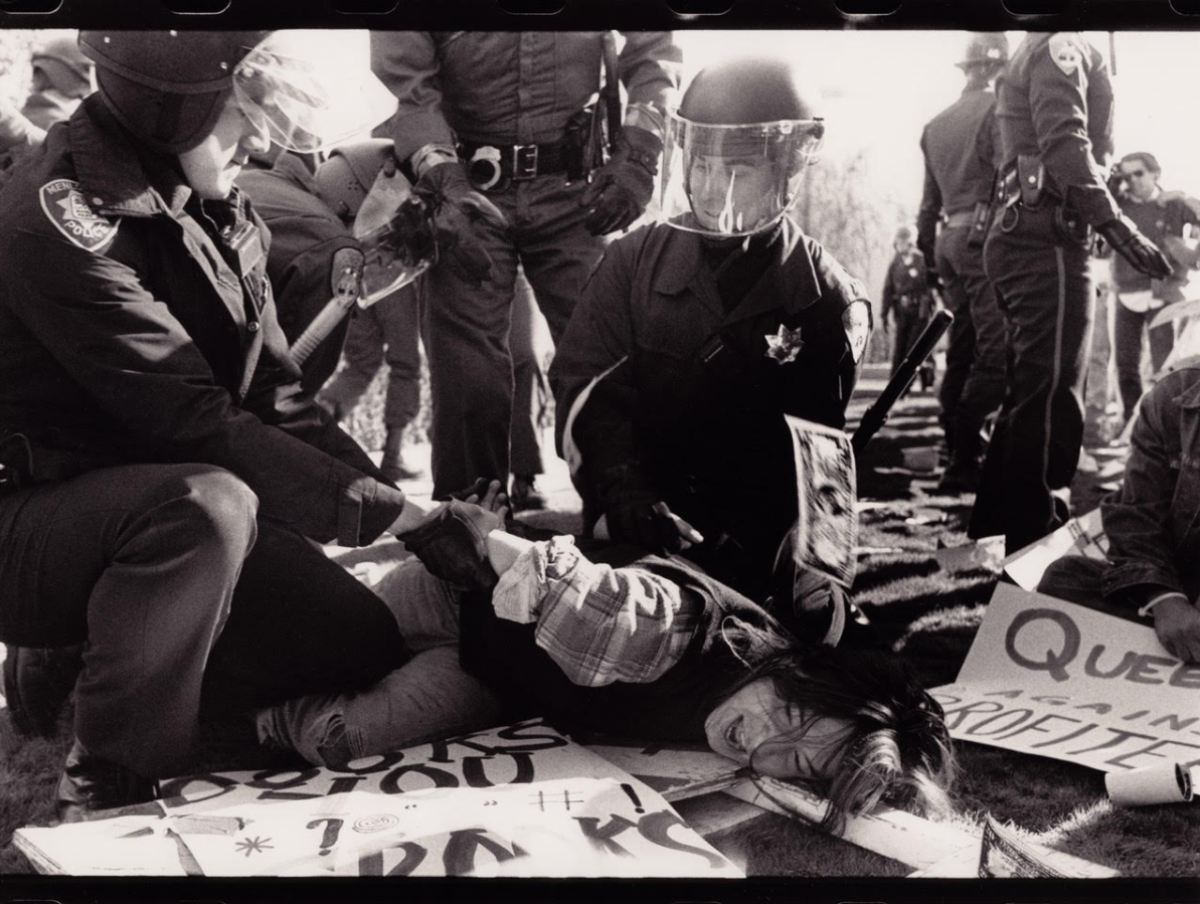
785,345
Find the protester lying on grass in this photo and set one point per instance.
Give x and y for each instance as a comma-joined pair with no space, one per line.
1153,568
622,642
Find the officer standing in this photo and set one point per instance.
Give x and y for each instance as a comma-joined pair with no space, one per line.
493,113
61,78
164,475
1054,111
958,185
907,299
696,336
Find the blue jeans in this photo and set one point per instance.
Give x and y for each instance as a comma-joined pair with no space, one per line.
429,696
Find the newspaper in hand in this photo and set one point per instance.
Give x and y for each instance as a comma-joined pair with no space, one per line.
826,525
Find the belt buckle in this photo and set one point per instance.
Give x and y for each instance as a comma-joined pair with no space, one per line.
525,162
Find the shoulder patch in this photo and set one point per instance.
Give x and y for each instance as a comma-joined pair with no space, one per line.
1066,52
345,271
856,320
65,207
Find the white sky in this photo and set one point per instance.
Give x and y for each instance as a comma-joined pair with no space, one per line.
879,89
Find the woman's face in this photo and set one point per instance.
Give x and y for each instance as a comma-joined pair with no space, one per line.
756,715
212,165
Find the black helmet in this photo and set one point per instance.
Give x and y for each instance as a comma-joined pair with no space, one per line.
737,147
64,67
167,87
985,47
746,91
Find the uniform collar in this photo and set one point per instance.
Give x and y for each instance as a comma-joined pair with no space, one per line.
790,281
114,178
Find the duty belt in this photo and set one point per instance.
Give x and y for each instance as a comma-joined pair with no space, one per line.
962,218
516,162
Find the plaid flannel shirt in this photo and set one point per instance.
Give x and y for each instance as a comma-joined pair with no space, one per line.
598,623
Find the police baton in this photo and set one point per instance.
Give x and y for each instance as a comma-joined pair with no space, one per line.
876,416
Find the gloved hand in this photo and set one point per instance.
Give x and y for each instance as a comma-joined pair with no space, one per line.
623,187
1143,255
459,214
452,544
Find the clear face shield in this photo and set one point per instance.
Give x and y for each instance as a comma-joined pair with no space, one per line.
734,180
310,90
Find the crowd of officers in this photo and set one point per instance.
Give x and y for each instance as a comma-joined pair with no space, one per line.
167,463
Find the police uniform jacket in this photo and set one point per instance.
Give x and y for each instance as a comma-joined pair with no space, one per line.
955,181
690,398
128,335
906,286
507,88
1055,102
310,249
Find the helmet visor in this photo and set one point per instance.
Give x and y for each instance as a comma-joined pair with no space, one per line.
734,180
396,234
310,90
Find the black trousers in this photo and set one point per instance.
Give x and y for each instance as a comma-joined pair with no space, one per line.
1044,291
1128,329
973,384
182,595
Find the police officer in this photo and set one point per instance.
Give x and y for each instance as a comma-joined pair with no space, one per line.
696,335
61,78
1054,110
164,475
958,185
907,298
492,112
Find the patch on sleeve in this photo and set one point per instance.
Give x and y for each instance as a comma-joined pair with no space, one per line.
345,271
1066,52
65,207
856,320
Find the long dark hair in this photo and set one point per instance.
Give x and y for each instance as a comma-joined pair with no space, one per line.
897,749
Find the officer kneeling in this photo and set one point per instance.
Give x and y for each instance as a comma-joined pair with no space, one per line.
696,335
164,475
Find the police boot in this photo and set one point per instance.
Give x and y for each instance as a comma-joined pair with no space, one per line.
37,683
89,783
396,465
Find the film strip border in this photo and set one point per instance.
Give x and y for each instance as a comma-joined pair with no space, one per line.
1031,15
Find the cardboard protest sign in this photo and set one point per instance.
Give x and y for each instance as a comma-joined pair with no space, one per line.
826,526
1082,536
521,801
1060,680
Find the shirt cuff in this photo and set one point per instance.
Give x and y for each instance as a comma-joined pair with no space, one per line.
1145,610
646,116
519,593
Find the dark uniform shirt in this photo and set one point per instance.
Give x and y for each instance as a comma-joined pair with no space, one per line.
127,336
959,149
906,286
1155,221
505,88
310,249
1055,102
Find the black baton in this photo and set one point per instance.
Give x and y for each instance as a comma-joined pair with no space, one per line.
876,416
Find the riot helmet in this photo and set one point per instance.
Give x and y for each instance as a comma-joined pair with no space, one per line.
737,147
58,64
346,177
169,88
985,48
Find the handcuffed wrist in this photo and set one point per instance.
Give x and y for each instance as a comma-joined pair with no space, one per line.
1161,598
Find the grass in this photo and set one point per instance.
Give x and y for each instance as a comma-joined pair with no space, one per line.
929,615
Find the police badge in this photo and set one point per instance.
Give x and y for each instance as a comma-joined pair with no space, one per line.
784,345
65,207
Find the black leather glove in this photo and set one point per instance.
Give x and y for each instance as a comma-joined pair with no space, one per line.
459,214
623,187
633,518
1143,255
452,544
